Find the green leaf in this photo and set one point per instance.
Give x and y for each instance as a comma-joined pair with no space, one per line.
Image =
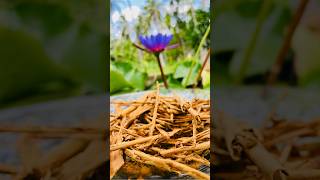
123,66
284,3
136,79
174,83
205,79
224,36
50,17
306,45
85,60
193,76
133,76
182,69
267,46
26,69
248,8
263,56
117,81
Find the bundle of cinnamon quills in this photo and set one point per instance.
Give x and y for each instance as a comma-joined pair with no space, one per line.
280,150
163,132
81,153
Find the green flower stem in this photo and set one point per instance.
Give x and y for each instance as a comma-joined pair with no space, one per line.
161,69
197,54
245,62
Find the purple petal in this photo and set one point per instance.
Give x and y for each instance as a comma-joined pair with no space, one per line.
167,40
158,38
148,42
145,41
142,40
162,41
153,42
156,43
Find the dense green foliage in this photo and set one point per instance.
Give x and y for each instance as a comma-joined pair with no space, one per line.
132,69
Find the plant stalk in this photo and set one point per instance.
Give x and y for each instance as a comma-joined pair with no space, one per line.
161,69
245,62
197,54
287,42
203,65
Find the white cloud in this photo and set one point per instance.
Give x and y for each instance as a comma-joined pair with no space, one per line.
170,9
129,14
115,17
184,8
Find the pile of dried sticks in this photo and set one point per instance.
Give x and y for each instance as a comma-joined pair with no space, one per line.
280,150
166,132
81,153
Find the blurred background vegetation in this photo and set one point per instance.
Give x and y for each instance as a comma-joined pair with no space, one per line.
243,59
51,49
133,70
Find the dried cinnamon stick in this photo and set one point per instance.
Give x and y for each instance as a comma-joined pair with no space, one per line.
168,163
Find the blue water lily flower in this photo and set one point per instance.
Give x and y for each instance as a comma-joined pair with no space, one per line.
156,43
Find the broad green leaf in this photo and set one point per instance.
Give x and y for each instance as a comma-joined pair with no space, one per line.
52,18
85,60
182,71
133,76
193,76
231,31
123,66
136,79
306,45
267,46
117,81
248,8
174,83
182,68
25,68
205,79
263,57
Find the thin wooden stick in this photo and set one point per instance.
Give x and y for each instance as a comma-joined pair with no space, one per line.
202,146
289,136
297,174
50,130
154,117
127,144
286,153
157,161
87,161
196,116
248,141
7,169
